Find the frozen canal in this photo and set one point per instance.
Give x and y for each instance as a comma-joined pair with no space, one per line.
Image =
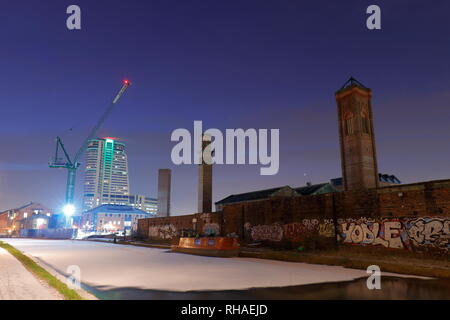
107,266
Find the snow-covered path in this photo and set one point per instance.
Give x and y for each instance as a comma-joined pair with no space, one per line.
17,283
110,265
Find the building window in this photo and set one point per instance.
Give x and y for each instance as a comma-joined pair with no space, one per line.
349,126
365,124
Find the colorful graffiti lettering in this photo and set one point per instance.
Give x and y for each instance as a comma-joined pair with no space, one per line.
397,233
386,233
326,229
430,231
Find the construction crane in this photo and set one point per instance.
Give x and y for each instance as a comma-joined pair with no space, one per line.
72,164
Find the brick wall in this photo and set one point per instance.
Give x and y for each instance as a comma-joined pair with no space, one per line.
414,217
169,228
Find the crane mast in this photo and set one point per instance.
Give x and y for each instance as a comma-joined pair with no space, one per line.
72,164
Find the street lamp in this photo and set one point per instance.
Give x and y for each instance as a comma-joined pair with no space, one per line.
69,210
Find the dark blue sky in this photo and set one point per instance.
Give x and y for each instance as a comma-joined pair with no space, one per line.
232,64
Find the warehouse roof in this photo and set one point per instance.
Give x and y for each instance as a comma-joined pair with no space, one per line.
307,190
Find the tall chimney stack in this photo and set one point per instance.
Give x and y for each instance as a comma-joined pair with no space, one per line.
205,177
164,178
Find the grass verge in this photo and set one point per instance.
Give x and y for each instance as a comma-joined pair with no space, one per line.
41,273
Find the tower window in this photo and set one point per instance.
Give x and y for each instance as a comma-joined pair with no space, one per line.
365,125
349,126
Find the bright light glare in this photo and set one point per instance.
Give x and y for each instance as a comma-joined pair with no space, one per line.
69,209
39,222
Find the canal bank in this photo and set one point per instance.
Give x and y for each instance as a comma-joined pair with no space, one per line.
392,288
358,258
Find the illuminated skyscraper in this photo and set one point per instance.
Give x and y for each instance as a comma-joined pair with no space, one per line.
106,176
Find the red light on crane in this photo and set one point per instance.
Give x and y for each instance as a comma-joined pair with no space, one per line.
126,81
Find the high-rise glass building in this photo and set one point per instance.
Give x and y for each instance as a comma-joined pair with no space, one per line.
147,204
106,174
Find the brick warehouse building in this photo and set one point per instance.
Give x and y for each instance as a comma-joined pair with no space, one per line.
412,217
31,214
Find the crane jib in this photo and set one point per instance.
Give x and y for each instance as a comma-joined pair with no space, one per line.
72,164
125,86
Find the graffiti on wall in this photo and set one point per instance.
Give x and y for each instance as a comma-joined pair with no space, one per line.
388,233
403,233
430,232
326,228
296,231
397,233
267,232
167,231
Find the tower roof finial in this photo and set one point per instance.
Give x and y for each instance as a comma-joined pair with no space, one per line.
352,82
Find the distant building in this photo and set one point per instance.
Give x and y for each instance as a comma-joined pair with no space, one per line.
384,180
113,218
147,204
35,222
388,180
106,174
286,191
32,215
164,186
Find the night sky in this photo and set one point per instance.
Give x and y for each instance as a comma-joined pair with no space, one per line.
232,64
